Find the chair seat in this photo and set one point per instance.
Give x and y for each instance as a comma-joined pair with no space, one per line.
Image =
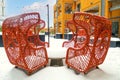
33,61
80,62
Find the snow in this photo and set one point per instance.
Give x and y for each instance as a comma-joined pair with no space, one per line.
109,70
58,52
115,39
0,33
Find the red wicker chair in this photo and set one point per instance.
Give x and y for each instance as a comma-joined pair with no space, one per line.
21,51
92,42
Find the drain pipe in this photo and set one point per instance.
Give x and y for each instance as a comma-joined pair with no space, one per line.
102,7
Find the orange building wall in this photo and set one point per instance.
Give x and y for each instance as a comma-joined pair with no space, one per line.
86,4
115,13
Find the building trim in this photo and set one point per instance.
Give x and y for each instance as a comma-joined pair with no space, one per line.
115,8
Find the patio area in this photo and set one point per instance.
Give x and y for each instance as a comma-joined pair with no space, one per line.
109,70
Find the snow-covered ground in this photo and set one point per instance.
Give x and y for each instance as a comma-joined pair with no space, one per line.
109,70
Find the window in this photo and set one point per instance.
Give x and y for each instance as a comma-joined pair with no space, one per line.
68,8
115,26
78,7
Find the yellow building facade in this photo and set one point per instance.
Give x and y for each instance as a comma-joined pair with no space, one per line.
63,11
107,8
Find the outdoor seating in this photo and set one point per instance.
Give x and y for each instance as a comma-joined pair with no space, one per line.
92,42
23,51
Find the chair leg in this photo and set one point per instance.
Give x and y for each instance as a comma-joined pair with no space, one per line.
16,67
68,67
29,73
85,73
45,65
97,67
76,72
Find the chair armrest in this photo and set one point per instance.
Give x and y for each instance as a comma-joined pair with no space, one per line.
68,44
46,44
38,50
74,52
